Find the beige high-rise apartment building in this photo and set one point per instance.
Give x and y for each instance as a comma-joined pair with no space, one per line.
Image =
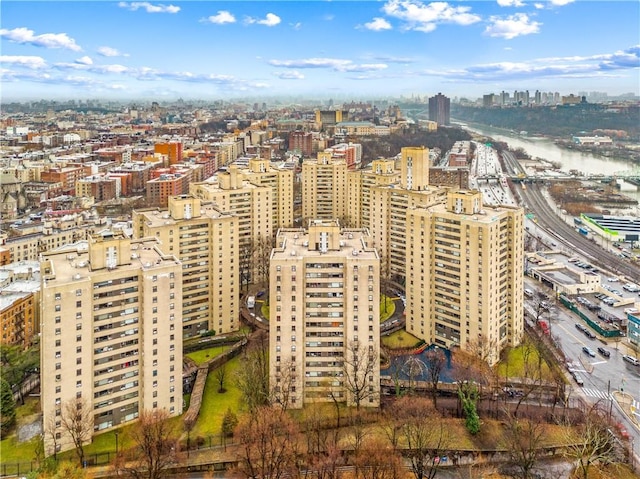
111,314
206,242
324,188
253,206
324,329
465,274
390,198
380,172
261,173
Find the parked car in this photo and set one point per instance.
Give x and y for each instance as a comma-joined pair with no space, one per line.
631,359
605,352
578,379
589,351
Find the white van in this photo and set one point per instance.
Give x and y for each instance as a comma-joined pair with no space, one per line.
528,293
631,359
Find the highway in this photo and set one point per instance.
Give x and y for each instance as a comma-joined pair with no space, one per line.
536,203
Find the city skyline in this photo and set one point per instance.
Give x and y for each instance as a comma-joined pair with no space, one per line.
218,50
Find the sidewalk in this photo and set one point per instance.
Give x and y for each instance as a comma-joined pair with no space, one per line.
626,403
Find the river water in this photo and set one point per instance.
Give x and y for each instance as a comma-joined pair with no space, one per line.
568,159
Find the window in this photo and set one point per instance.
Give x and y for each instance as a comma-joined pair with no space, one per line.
78,292
58,319
78,304
58,296
57,308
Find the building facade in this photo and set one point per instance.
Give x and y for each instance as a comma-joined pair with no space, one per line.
324,188
440,109
205,241
465,275
111,344
324,329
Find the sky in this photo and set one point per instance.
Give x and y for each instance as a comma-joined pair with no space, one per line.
214,50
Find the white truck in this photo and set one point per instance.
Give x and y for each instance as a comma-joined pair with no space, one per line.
251,301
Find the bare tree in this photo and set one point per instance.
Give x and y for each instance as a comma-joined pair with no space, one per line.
155,446
50,435
359,366
376,460
524,438
253,376
590,441
262,246
268,444
425,434
283,384
435,362
77,421
221,376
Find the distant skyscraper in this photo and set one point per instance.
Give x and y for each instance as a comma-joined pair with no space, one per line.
439,108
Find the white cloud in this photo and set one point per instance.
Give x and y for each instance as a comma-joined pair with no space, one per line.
86,60
560,3
25,61
512,26
111,52
292,75
48,40
296,26
270,20
149,8
378,24
510,3
222,17
419,16
335,64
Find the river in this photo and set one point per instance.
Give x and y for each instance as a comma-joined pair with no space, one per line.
568,159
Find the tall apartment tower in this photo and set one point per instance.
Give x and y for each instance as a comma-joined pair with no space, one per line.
260,173
206,242
439,109
380,172
391,202
111,341
325,325
251,203
465,275
324,188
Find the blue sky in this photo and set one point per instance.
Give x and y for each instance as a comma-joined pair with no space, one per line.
359,49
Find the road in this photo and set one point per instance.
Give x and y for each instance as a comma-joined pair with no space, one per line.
547,218
602,376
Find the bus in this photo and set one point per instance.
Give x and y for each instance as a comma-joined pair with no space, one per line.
583,231
577,221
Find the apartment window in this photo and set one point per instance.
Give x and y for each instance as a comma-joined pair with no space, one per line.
171,379
78,372
78,384
57,308
155,383
154,278
58,342
57,331
155,352
78,292
78,304
58,319
78,326
78,360
58,296
155,394
155,310
155,289
155,404
58,366
78,349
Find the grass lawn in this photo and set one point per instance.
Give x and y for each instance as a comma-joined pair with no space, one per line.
215,404
400,339
390,309
10,449
204,355
523,362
